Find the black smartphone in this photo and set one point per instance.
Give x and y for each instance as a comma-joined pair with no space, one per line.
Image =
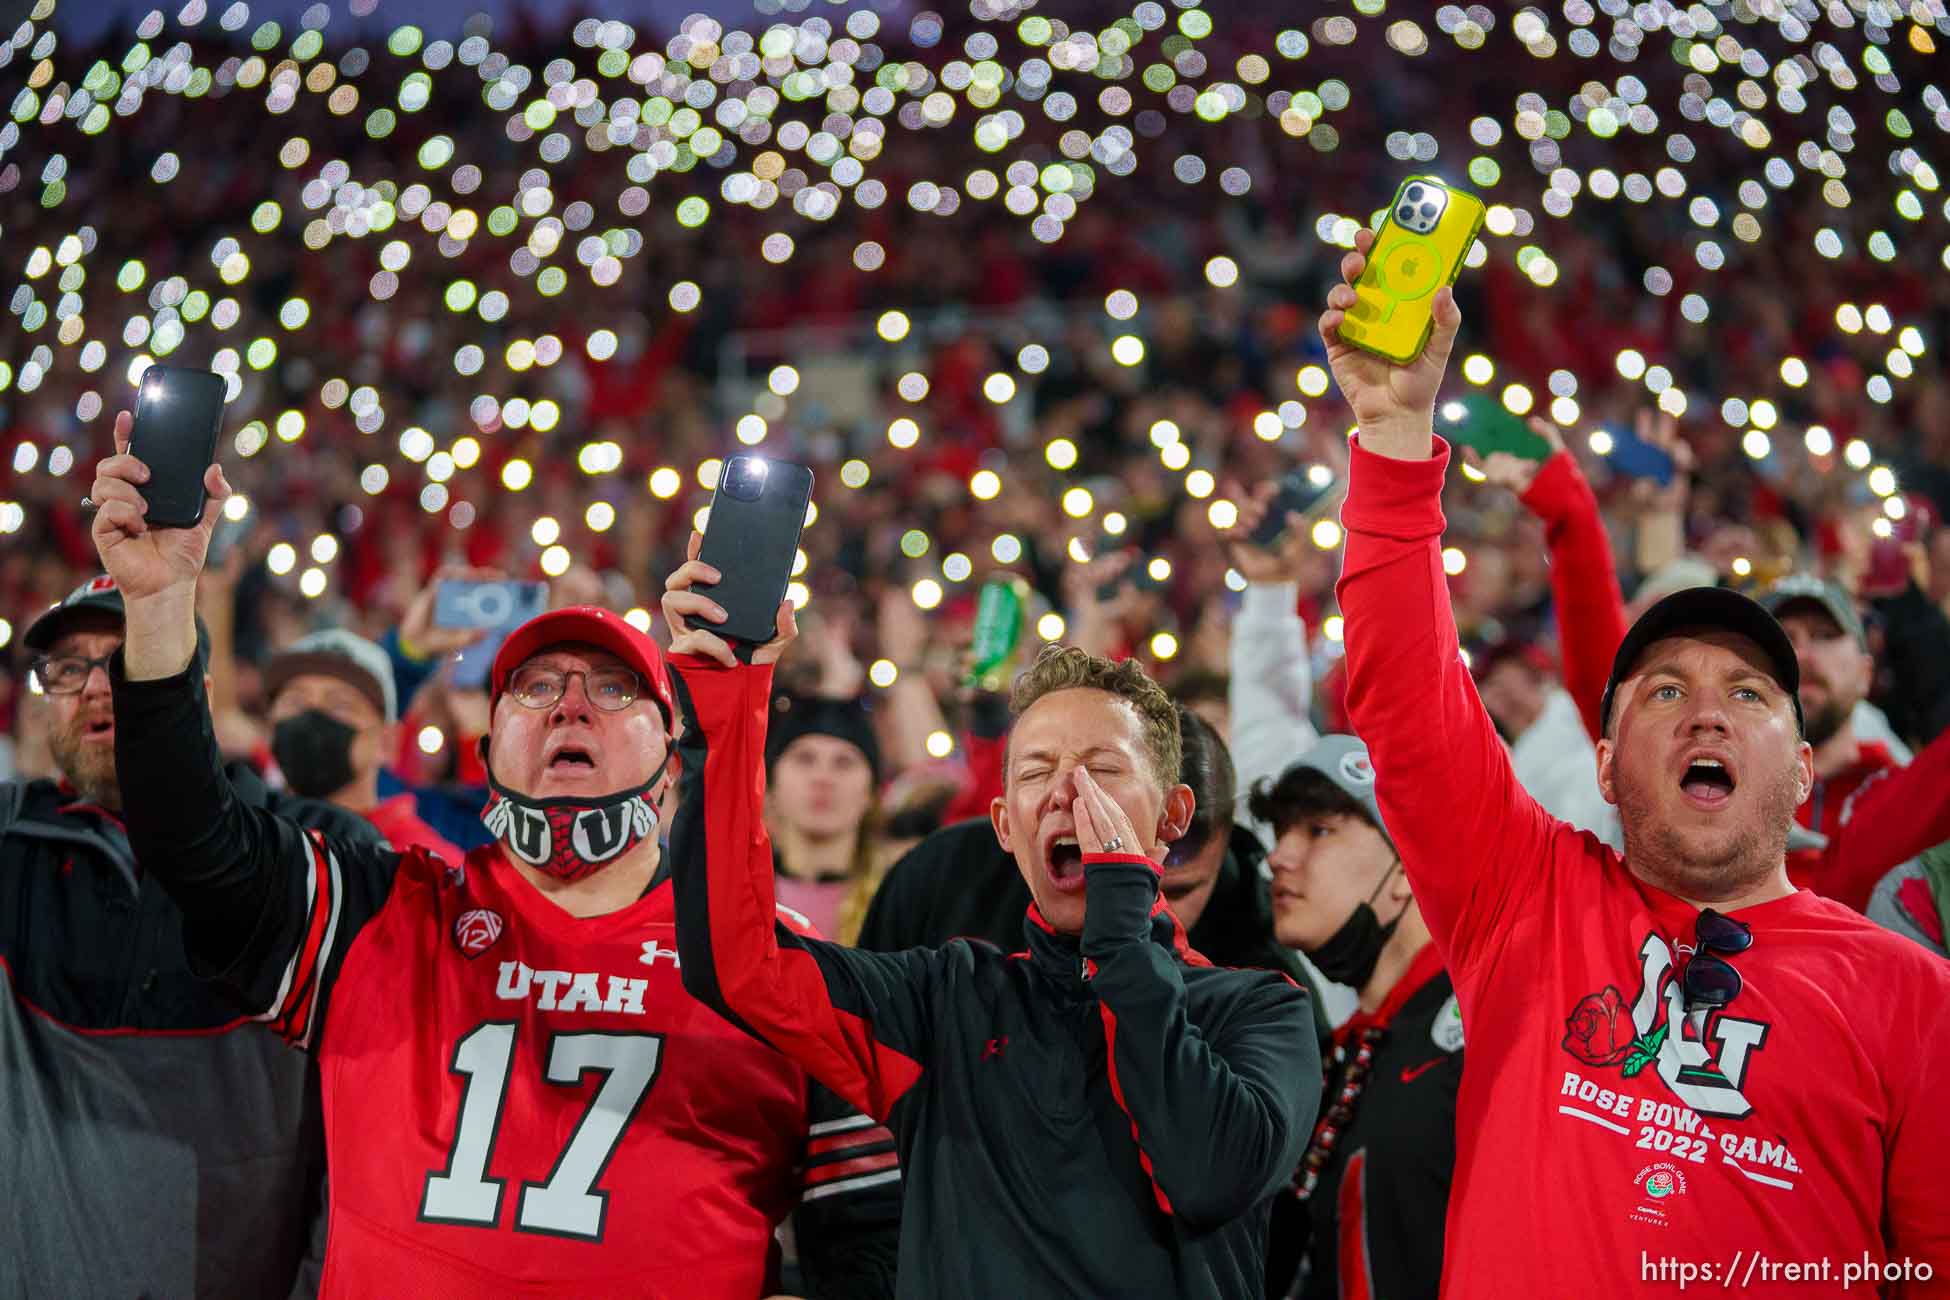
752,538
177,412
460,602
1300,490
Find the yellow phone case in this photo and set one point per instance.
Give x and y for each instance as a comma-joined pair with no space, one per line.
1415,252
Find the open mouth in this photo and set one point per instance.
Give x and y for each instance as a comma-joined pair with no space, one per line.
1063,859
99,729
571,759
1708,782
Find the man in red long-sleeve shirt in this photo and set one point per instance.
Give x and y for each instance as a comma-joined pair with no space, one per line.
1682,1069
1876,812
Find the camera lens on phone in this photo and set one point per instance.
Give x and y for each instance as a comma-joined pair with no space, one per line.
1428,211
1414,193
1405,213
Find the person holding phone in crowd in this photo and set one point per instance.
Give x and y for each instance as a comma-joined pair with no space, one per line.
1675,1055
519,1093
125,1182
1102,1114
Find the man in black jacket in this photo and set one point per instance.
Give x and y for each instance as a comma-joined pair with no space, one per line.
1103,1115
959,883
126,1182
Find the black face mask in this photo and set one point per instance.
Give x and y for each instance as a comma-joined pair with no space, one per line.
314,750
1350,954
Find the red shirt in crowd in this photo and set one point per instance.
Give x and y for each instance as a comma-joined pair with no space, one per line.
1877,814
1606,1134
400,823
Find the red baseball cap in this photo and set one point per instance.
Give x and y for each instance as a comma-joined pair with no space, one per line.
585,625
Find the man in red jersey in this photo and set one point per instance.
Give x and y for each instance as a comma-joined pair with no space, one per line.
1681,1068
519,1095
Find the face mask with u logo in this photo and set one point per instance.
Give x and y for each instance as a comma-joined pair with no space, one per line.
571,837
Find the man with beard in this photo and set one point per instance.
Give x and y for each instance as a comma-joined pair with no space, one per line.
124,1182
519,1094
1876,812
334,719
1677,1060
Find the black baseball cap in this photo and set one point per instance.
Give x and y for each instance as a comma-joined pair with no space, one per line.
1707,607
97,595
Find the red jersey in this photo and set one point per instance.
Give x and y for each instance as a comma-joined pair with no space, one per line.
1606,1132
1877,814
518,1100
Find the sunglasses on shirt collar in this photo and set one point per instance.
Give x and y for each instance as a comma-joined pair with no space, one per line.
1708,979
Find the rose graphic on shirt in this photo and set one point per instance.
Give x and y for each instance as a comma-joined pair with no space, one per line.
1599,1031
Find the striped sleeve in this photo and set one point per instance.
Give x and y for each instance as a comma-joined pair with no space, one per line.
292,1013
848,1155
268,908
848,1221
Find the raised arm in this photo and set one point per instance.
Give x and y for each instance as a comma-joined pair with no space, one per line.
855,1021
1584,580
1270,689
1469,836
268,909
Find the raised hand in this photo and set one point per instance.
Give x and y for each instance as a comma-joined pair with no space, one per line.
1285,559
424,640
1102,826
147,561
1516,472
1394,405
681,605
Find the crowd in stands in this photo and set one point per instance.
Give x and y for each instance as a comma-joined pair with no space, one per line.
882,748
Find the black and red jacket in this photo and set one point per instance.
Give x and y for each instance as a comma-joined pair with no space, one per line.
1103,1116
1378,1212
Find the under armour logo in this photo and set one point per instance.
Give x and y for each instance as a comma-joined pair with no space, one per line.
653,950
992,1050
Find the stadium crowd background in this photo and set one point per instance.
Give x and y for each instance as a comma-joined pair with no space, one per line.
1225,344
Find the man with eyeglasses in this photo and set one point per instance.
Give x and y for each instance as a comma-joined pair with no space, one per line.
1681,1068
125,1183
519,1094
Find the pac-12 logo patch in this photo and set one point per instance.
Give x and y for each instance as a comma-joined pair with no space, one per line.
475,931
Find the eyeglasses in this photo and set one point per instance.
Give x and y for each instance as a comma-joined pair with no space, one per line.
68,674
1709,980
609,689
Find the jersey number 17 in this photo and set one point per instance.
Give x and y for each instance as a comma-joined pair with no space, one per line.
568,1204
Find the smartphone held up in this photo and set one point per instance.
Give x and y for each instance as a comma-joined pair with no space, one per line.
177,414
1419,247
751,537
